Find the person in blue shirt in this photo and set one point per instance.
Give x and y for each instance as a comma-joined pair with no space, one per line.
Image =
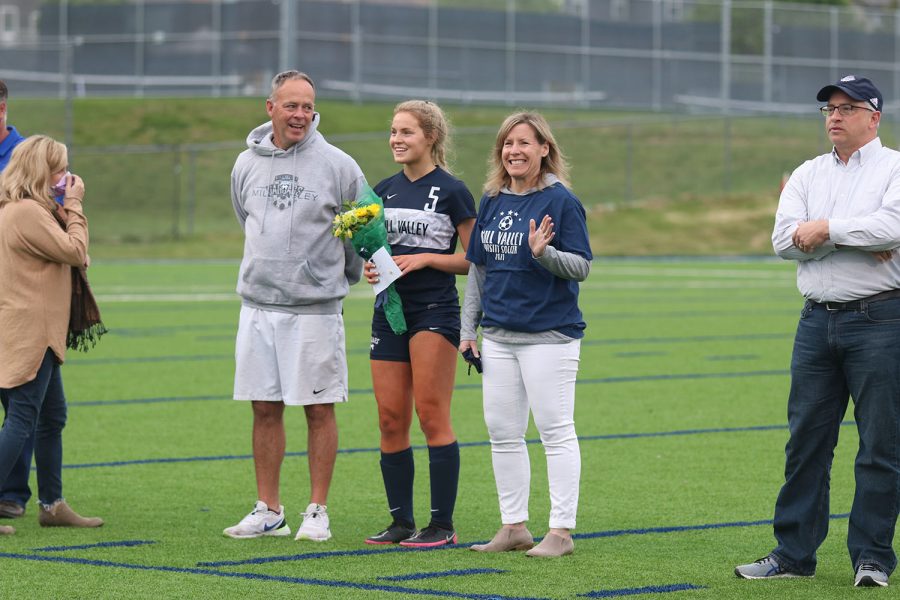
426,211
14,492
529,250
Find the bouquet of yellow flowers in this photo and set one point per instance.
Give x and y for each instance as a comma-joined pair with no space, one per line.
351,220
363,224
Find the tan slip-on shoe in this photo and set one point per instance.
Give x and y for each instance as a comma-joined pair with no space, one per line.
553,545
61,515
7,530
10,510
507,539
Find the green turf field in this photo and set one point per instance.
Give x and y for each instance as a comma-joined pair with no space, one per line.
680,410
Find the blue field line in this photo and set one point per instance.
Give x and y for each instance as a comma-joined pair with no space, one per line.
329,554
259,577
472,386
125,543
679,528
693,339
651,589
365,350
453,573
161,399
86,362
301,453
578,536
733,357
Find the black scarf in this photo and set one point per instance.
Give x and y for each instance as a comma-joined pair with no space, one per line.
85,326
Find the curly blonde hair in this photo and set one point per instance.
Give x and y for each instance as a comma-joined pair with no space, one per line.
554,163
29,174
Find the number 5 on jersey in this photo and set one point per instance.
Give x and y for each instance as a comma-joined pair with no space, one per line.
431,206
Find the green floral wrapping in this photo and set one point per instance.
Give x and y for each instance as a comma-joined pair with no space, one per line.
366,241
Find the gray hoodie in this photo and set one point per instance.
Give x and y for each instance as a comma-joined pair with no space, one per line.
285,201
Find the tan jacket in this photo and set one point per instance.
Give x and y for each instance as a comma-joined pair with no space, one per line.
36,256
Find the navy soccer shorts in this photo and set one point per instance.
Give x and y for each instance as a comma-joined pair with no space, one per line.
387,345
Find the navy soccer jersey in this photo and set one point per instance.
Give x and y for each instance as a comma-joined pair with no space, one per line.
519,294
421,216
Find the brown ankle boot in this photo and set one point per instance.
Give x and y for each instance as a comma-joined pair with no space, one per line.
505,540
553,545
61,515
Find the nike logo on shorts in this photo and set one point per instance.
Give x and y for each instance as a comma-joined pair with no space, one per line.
391,196
317,392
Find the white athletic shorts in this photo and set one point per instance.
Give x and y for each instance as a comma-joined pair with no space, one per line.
295,359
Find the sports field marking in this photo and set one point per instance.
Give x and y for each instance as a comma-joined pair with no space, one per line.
301,453
452,573
477,386
578,536
787,277
260,577
652,589
716,357
123,543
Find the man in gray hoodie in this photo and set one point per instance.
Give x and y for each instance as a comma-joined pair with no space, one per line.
286,189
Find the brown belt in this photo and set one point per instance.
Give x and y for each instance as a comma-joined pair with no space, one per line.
861,303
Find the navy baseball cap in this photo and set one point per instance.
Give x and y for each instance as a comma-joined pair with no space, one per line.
858,88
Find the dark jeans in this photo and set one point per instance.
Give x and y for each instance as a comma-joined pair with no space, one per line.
839,354
37,408
15,488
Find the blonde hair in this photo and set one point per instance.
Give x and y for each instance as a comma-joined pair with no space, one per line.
554,163
435,126
29,174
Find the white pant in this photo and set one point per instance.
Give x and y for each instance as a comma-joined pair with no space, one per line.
540,377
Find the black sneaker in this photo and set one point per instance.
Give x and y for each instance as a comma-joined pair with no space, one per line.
396,532
430,537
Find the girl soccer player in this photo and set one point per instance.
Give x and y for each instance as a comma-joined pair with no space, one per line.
426,211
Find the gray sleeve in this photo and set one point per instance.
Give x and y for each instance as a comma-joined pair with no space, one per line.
236,200
565,264
471,309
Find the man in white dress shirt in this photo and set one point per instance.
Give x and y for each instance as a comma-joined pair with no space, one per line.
839,218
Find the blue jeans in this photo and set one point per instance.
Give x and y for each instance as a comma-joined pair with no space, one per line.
838,355
15,488
37,408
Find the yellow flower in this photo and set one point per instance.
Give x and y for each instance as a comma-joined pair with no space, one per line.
361,213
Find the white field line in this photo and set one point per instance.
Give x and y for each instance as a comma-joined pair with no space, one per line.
631,270
167,296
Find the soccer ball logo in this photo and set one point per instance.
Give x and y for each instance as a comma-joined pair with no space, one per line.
505,223
284,191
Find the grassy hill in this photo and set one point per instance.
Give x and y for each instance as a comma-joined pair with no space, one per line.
157,170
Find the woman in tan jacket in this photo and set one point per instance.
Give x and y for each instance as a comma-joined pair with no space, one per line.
36,258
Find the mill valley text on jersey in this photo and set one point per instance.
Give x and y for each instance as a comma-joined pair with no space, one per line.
422,216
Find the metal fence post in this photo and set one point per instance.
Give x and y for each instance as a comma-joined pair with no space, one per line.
629,162
510,50
725,56
176,192
286,34
356,56
767,51
192,190
656,93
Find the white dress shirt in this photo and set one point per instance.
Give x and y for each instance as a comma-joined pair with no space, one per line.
861,201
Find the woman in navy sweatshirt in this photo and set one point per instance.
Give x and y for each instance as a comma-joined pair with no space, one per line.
529,250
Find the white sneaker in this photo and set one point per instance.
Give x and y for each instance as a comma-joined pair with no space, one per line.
315,524
261,521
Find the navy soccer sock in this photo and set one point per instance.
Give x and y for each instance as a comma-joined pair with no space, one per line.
444,469
398,471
